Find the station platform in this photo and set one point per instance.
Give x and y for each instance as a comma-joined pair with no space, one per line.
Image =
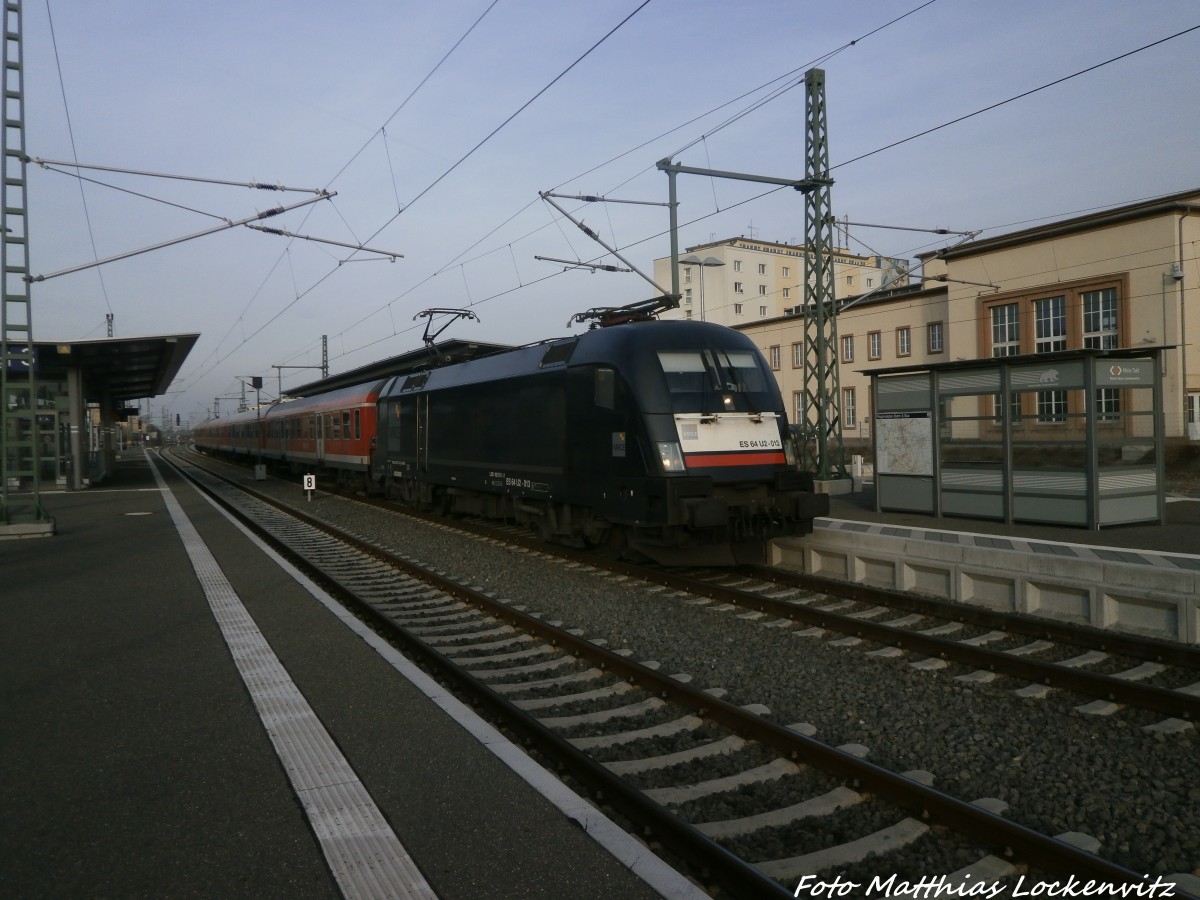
1140,579
161,677
1178,533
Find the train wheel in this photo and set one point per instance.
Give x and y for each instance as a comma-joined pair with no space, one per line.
541,529
614,543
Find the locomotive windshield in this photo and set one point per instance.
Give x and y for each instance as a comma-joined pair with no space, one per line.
715,380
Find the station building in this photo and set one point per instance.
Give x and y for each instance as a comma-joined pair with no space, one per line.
1125,278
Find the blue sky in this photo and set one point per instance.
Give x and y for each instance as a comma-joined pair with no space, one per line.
391,104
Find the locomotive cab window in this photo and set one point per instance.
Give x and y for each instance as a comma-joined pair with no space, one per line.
708,380
685,371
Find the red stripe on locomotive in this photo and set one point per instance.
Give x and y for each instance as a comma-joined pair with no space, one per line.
737,458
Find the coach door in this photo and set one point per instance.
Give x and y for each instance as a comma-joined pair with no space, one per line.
319,430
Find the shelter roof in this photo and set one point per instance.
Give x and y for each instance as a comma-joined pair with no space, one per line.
121,368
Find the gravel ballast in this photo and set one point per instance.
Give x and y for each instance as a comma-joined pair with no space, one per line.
1059,770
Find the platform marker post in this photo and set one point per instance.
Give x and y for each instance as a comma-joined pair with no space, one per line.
310,485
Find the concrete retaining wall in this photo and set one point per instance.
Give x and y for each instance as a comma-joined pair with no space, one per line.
1135,591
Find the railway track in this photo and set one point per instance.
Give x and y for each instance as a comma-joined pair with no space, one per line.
750,806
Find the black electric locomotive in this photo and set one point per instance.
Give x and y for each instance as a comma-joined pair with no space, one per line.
667,437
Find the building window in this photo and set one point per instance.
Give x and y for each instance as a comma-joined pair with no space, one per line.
787,293
1100,333
904,341
874,345
870,282
935,337
1108,404
762,290
1052,406
1050,324
773,356
799,414
787,272
737,287
737,309
762,311
797,356
687,297
687,275
687,313
737,265
848,348
762,268
1050,334
1090,315
1100,319
1006,330
849,416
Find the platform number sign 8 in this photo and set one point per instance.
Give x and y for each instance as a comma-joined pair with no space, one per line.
310,482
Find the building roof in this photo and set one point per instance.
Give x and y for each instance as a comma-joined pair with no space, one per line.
120,368
1184,202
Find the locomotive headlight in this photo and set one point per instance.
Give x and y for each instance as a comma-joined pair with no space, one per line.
671,456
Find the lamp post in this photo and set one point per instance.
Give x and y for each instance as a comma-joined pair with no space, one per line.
708,261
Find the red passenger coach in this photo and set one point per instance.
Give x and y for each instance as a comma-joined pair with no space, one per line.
328,434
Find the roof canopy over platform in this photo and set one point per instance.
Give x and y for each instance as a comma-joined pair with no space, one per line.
121,368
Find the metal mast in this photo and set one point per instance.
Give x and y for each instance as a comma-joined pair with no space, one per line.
19,462
823,454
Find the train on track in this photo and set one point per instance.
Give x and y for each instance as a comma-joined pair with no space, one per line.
667,438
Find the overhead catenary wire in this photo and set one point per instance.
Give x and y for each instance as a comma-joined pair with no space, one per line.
1019,96
215,355
774,190
927,131
472,151
87,216
491,135
256,185
457,259
179,240
509,243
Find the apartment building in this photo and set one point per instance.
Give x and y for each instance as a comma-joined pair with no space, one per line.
1127,277
738,280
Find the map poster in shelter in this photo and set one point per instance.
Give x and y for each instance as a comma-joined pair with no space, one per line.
904,443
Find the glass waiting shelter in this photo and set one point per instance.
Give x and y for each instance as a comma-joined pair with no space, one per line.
1070,438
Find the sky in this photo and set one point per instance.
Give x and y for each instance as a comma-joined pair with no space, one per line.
435,126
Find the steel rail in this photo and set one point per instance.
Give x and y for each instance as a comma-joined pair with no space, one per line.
1149,648
735,875
1010,839
1116,690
